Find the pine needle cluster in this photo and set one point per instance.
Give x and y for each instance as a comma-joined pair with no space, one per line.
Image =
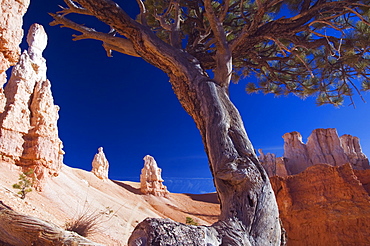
26,181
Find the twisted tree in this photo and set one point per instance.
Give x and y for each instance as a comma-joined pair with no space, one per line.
309,47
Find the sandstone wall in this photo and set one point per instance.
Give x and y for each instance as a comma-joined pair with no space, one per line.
352,148
274,166
323,146
324,205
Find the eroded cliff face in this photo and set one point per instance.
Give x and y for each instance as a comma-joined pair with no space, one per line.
325,205
352,148
28,125
11,34
323,146
275,166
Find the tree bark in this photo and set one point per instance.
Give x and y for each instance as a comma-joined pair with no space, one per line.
249,212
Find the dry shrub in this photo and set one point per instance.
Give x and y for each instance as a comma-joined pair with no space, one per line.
86,224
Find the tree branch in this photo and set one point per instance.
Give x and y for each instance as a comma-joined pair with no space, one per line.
223,53
73,8
110,42
143,12
358,15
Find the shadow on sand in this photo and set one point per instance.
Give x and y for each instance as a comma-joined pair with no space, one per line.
128,187
209,197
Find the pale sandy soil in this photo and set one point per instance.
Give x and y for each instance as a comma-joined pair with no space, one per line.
119,204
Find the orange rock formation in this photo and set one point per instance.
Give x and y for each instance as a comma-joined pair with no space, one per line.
28,125
324,146
324,205
100,165
151,181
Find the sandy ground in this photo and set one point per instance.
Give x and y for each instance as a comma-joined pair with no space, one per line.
118,205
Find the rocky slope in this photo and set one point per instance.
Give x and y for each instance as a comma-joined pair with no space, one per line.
120,206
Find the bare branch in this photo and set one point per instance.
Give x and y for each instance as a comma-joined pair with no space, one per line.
358,15
121,45
326,23
162,22
226,9
175,32
143,12
249,29
283,48
73,8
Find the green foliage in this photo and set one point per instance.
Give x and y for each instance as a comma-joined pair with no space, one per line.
25,183
291,48
190,221
307,48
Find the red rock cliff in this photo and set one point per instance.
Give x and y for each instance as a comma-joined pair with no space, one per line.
325,205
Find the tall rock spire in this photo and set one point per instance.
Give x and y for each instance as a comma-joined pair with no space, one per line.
28,125
151,181
100,165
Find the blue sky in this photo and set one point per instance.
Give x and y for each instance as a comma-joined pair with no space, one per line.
128,107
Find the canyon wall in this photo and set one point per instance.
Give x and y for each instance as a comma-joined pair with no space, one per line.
322,188
325,205
323,146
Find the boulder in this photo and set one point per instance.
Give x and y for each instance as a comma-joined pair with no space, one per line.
158,231
151,181
100,165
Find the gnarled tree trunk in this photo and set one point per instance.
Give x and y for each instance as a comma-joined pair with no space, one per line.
249,213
